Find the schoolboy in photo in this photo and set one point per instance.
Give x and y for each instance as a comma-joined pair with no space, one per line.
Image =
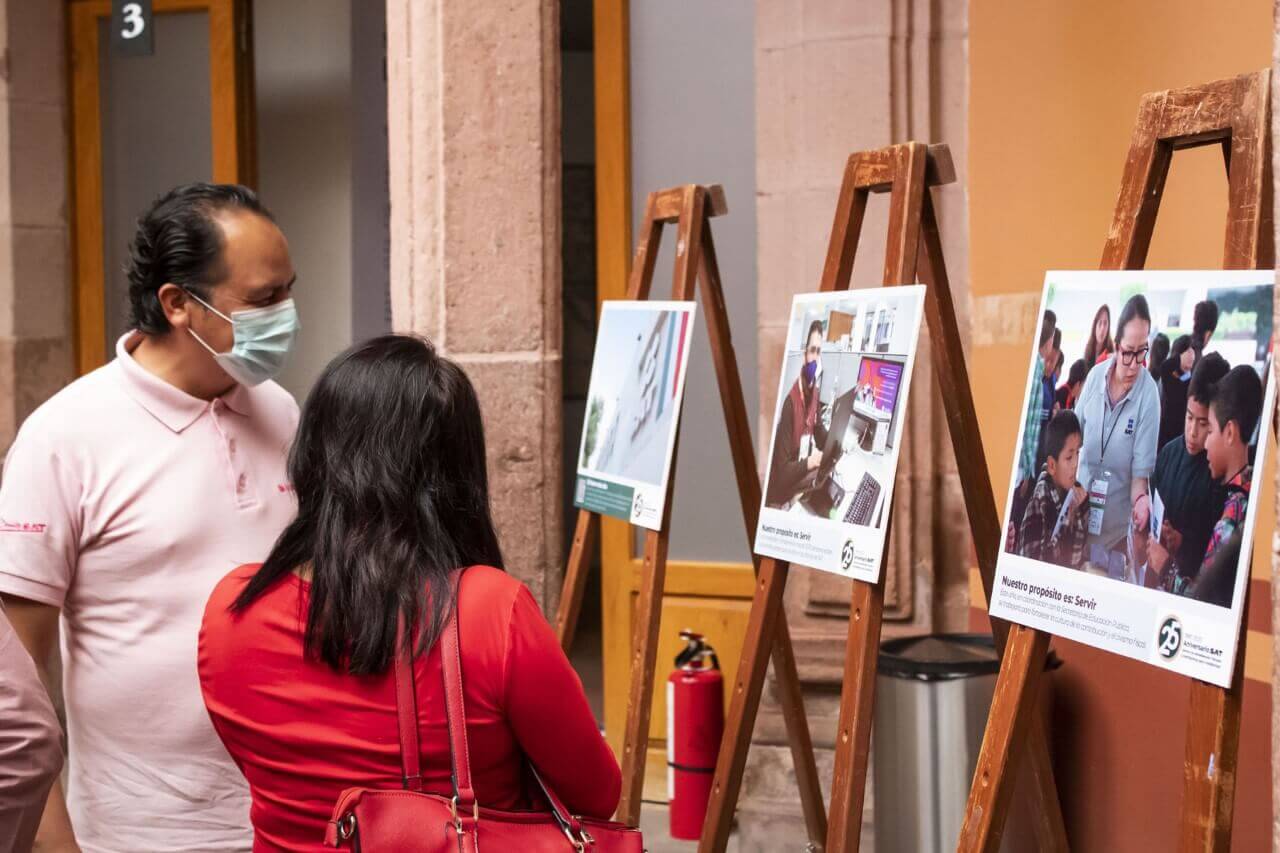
1234,412
1036,410
1050,531
1192,497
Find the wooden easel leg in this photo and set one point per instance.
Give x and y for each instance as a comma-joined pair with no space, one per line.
803,758
648,616
744,702
575,578
1013,710
1213,750
790,695
644,656
857,707
1050,829
980,503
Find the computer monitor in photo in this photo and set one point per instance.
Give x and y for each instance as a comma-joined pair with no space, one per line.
876,397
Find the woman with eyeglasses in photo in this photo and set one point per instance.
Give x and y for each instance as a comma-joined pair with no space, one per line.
1119,411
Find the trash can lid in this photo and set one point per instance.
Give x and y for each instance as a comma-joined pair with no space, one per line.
936,657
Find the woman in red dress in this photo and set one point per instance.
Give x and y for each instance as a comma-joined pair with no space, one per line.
295,654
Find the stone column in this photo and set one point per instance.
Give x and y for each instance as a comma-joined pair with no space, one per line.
474,169
833,78
35,269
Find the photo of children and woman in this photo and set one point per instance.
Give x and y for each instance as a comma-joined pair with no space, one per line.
1140,430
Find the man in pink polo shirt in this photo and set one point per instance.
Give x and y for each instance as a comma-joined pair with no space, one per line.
128,496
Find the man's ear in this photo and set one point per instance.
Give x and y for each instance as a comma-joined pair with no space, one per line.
1231,432
176,305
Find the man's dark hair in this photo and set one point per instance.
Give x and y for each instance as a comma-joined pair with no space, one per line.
1135,309
393,497
1061,426
1204,321
178,241
1048,326
1238,397
815,326
1205,378
1078,373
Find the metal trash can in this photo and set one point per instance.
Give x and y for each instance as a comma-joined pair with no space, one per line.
933,694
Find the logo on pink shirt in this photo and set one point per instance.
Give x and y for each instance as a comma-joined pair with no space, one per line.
22,526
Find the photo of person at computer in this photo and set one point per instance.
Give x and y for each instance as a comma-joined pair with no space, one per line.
837,426
800,435
818,445
1102,511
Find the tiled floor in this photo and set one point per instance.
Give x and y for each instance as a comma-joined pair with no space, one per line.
654,824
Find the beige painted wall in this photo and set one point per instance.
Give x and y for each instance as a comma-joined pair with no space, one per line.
1054,89
1053,92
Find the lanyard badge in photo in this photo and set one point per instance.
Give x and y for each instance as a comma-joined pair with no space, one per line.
1100,486
1098,489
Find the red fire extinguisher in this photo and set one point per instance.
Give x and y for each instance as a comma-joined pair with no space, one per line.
695,722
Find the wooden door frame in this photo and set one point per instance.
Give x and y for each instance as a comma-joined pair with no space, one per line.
611,56
233,141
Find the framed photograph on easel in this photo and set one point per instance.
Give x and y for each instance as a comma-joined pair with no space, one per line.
838,427
633,406
1131,510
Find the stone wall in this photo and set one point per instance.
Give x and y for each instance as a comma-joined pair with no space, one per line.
833,78
474,160
36,346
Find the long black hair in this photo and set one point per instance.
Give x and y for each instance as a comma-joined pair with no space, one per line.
1181,344
1159,352
393,496
1092,349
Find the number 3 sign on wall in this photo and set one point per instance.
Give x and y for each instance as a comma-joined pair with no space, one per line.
131,28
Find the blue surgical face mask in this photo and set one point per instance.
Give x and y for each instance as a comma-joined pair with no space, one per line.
811,371
262,340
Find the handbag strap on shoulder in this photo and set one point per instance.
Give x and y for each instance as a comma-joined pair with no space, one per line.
465,806
455,712
455,709
407,708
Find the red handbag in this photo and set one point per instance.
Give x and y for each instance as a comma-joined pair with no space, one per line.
409,820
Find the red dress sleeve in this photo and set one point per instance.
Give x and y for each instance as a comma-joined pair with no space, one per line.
548,711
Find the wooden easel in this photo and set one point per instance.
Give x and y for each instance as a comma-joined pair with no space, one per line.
690,206
906,172
1235,114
